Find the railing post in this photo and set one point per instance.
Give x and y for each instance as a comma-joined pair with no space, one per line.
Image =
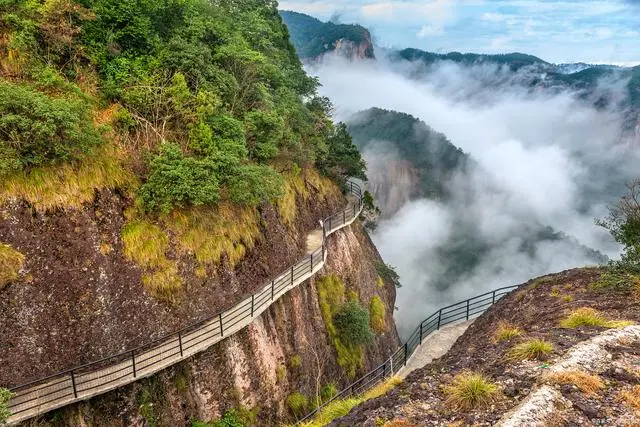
252,297
406,349
292,275
493,299
439,317
420,332
133,362
73,383
180,343
221,328
467,309
272,289
344,216
311,259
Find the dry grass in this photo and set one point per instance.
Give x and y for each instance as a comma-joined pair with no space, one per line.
587,383
208,233
534,349
146,244
382,388
67,185
631,398
399,423
506,332
587,316
11,262
470,390
298,184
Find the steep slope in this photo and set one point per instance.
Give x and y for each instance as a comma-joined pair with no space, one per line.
158,163
581,375
313,38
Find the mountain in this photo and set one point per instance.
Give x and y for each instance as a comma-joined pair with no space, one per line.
313,38
514,61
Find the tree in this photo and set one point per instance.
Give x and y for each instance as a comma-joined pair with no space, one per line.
623,223
353,324
343,159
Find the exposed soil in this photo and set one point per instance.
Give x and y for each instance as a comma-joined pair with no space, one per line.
537,308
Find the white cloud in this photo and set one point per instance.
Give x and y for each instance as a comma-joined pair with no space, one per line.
430,31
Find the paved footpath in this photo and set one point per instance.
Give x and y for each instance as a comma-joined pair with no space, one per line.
434,346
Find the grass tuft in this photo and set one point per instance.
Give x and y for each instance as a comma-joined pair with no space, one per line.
506,332
377,314
146,245
587,383
470,390
11,262
631,398
297,403
535,349
67,185
587,316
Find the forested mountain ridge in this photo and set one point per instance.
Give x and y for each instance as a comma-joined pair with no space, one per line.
159,161
313,38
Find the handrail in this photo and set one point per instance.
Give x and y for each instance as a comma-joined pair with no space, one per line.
444,316
100,376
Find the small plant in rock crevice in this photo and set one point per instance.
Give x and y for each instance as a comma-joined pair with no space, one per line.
534,349
470,390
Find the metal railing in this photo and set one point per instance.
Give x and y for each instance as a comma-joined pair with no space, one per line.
461,311
85,381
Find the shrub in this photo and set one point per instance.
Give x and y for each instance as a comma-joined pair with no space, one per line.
177,180
36,129
532,349
587,316
253,184
588,383
11,262
506,332
377,314
328,391
470,390
353,324
298,404
388,273
296,361
5,396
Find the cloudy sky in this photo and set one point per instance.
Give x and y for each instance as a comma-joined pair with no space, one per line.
595,31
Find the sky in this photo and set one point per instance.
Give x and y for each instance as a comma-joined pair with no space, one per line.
559,31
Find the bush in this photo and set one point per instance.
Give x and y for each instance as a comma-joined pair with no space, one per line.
177,180
298,404
36,129
377,314
296,361
5,396
353,324
470,390
328,391
532,349
388,273
252,184
11,262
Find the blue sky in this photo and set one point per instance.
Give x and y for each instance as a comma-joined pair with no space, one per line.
594,31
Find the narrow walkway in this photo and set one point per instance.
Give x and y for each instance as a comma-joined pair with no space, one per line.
434,346
314,241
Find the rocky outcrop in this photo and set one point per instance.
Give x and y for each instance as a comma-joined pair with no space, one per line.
354,51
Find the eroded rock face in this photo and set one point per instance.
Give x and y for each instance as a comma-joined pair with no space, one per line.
96,312
351,50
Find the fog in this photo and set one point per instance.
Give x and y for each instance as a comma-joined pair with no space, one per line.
543,158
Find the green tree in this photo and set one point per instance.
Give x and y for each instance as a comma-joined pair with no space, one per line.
623,223
353,324
343,159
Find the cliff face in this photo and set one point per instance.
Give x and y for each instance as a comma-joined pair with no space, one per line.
354,50
76,302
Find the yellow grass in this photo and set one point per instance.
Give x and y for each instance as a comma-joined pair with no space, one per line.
67,185
210,232
377,314
146,244
506,332
631,398
470,390
11,262
531,349
300,184
587,316
587,383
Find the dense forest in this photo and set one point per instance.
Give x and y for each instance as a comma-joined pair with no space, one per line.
312,37
188,102
514,61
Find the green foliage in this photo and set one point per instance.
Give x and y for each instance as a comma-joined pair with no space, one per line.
296,361
377,314
388,273
177,180
37,129
513,60
5,396
298,404
328,391
311,37
353,324
253,184
586,316
532,349
623,223
343,159
232,418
